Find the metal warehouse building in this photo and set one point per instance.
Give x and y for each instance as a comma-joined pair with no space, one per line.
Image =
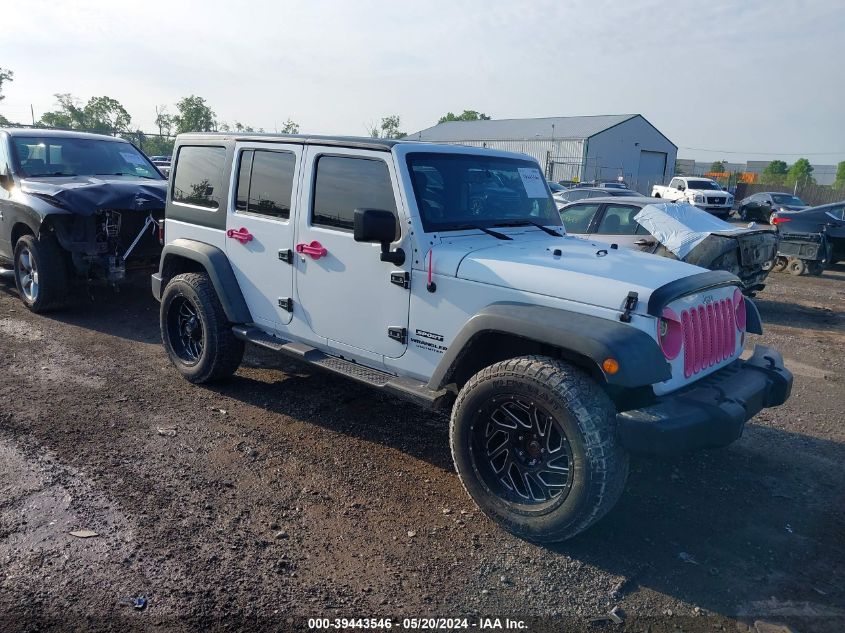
580,148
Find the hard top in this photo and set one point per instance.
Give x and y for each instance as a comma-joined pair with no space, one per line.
360,142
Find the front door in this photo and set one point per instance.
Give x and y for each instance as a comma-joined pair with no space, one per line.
616,225
344,289
260,228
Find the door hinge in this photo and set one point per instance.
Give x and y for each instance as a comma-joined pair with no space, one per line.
401,279
629,305
398,334
286,304
286,255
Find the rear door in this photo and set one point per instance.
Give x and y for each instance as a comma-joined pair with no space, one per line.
260,228
616,225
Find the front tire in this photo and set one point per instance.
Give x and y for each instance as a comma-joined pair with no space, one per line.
534,445
40,273
195,332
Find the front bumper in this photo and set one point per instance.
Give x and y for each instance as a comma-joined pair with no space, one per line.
712,411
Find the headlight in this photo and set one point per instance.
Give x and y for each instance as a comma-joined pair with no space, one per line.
698,198
669,334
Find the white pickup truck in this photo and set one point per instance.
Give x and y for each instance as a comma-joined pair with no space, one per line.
703,193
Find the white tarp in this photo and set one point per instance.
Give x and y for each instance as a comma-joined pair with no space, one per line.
681,227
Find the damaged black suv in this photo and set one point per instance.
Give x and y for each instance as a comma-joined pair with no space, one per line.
75,207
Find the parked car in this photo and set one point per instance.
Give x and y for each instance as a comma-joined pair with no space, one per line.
679,231
760,206
582,193
75,206
368,258
703,193
555,187
827,218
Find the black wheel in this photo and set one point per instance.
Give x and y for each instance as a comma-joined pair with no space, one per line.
767,266
195,332
796,266
780,264
534,445
815,268
40,272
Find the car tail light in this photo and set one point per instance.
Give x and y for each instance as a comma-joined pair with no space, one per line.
161,232
739,310
776,220
670,335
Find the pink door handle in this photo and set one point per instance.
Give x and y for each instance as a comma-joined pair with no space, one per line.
241,234
314,249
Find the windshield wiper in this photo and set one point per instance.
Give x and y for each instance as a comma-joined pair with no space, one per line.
120,173
496,234
55,173
531,223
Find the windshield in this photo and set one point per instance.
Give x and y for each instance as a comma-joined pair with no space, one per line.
792,201
457,191
69,156
624,193
703,184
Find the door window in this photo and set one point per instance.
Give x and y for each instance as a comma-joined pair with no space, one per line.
619,220
343,184
199,176
574,194
265,183
577,218
675,184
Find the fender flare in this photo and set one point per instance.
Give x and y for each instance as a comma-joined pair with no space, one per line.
216,264
640,360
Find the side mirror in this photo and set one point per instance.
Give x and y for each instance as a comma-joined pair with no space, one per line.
379,227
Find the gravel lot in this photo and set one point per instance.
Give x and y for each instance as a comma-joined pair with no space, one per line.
286,494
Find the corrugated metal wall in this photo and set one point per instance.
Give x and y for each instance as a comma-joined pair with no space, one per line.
559,159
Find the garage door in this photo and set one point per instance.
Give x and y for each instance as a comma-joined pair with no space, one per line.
651,171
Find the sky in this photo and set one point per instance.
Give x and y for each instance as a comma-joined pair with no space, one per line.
731,80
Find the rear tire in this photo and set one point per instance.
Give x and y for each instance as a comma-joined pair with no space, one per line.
563,469
40,273
195,332
796,266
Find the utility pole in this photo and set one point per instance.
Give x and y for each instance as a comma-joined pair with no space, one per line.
32,112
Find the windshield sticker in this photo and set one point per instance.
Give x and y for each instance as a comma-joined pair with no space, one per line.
532,180
134,159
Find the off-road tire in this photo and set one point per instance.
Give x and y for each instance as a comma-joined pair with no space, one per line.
796,266
780,264
584,412
222,352
51,266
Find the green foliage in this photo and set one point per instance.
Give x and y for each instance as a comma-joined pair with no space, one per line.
679,170
100,114
164,121
801,173
774,173
5,75
839,183
290,127
194,116
717,166
466,115
389,128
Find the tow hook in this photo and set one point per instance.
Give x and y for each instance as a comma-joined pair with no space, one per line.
630,303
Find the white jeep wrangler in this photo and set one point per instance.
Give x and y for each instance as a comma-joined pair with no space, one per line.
442,274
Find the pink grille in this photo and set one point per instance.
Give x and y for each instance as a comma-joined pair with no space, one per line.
709,333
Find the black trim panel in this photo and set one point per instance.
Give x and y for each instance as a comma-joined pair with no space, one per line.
219,270
667,293
640,359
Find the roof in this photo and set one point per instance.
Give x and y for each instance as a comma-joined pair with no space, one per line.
562,127
362,142
48,132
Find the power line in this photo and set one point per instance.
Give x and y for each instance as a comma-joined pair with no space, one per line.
726,151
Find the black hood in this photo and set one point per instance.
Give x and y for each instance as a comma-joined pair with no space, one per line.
85,195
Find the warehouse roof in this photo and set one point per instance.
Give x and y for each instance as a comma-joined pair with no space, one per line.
559,127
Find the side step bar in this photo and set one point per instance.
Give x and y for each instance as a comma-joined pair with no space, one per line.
408,389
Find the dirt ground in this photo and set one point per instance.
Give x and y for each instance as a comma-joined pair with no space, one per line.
287,494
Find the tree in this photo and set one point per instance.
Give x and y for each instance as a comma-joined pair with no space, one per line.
801,174
774,173
466,115
389,128
5,75
68,116
164,121
839,183
194,116
717,167
290,127
104,114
